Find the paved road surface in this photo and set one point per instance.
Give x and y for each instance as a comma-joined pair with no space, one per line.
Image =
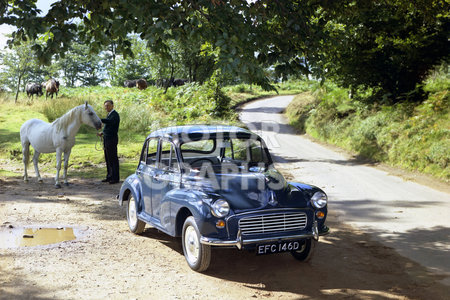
411,218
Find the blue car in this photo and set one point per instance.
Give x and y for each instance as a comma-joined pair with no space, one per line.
216,186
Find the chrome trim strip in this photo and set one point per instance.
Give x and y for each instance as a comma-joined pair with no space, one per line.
239,242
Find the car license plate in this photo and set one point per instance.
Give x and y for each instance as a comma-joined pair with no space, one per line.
277,247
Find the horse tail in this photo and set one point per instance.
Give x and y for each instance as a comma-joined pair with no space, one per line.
25,143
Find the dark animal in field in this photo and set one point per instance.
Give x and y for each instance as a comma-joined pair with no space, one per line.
179,82
33,89
168,82
129,83
141,84
51,87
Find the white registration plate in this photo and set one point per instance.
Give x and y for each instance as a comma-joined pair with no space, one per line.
277,247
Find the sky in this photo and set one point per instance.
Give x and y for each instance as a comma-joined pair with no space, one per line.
43,5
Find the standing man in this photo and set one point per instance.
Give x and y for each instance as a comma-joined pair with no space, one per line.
110,141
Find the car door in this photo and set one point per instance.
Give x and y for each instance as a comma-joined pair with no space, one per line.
146,171
167,178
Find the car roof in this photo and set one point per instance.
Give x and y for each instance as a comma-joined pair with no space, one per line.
198,132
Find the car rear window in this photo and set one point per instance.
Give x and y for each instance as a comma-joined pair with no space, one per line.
201,147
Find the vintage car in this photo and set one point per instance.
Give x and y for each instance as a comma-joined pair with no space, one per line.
217,186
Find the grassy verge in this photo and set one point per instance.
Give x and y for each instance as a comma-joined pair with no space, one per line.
413,136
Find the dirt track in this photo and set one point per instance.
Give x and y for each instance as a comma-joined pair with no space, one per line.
107,261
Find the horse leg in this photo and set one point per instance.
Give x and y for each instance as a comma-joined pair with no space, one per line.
35,163
58,167
25,158
66,165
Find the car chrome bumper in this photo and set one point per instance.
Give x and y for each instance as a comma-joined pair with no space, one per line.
239,242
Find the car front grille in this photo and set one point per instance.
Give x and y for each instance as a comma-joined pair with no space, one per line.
273,223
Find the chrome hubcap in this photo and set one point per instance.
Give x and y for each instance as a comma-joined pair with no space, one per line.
191,244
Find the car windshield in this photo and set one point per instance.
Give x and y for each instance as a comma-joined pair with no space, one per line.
245,153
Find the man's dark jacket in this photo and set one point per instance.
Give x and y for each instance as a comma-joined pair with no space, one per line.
111,125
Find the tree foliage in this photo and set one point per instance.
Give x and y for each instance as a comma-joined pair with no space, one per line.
78,67
388,45
139,65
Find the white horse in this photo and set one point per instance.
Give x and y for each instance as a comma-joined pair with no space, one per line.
58,137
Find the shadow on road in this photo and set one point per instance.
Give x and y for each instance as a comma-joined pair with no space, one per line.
10,281
345,264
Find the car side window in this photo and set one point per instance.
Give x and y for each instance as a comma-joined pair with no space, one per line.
256,151
168,157
240,147
144,152
152,149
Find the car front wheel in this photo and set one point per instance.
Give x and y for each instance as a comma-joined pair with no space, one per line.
306,250
136,226
198,256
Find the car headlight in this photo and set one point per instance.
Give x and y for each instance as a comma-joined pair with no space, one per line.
319,200
220,208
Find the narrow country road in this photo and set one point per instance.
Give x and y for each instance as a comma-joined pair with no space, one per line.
409,217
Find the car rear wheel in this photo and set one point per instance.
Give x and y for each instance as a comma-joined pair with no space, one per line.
198,256
136,226
306,250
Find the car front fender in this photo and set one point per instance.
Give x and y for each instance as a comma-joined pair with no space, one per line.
131,184
308,191
183,203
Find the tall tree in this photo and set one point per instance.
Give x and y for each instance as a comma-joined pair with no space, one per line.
226,25
80,67
385,44
138,65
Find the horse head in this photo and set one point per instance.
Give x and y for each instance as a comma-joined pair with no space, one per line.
89,117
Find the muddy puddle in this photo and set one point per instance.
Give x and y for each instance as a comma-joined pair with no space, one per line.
30,237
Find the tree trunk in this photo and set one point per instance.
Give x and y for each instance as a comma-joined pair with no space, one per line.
170,81
18,87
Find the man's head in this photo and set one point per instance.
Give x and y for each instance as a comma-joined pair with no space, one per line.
109,105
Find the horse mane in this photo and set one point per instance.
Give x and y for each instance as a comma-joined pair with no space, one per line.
64,121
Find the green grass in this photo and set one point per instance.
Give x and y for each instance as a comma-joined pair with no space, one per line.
413,136
11,118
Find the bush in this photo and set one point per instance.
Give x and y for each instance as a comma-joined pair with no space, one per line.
299,110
